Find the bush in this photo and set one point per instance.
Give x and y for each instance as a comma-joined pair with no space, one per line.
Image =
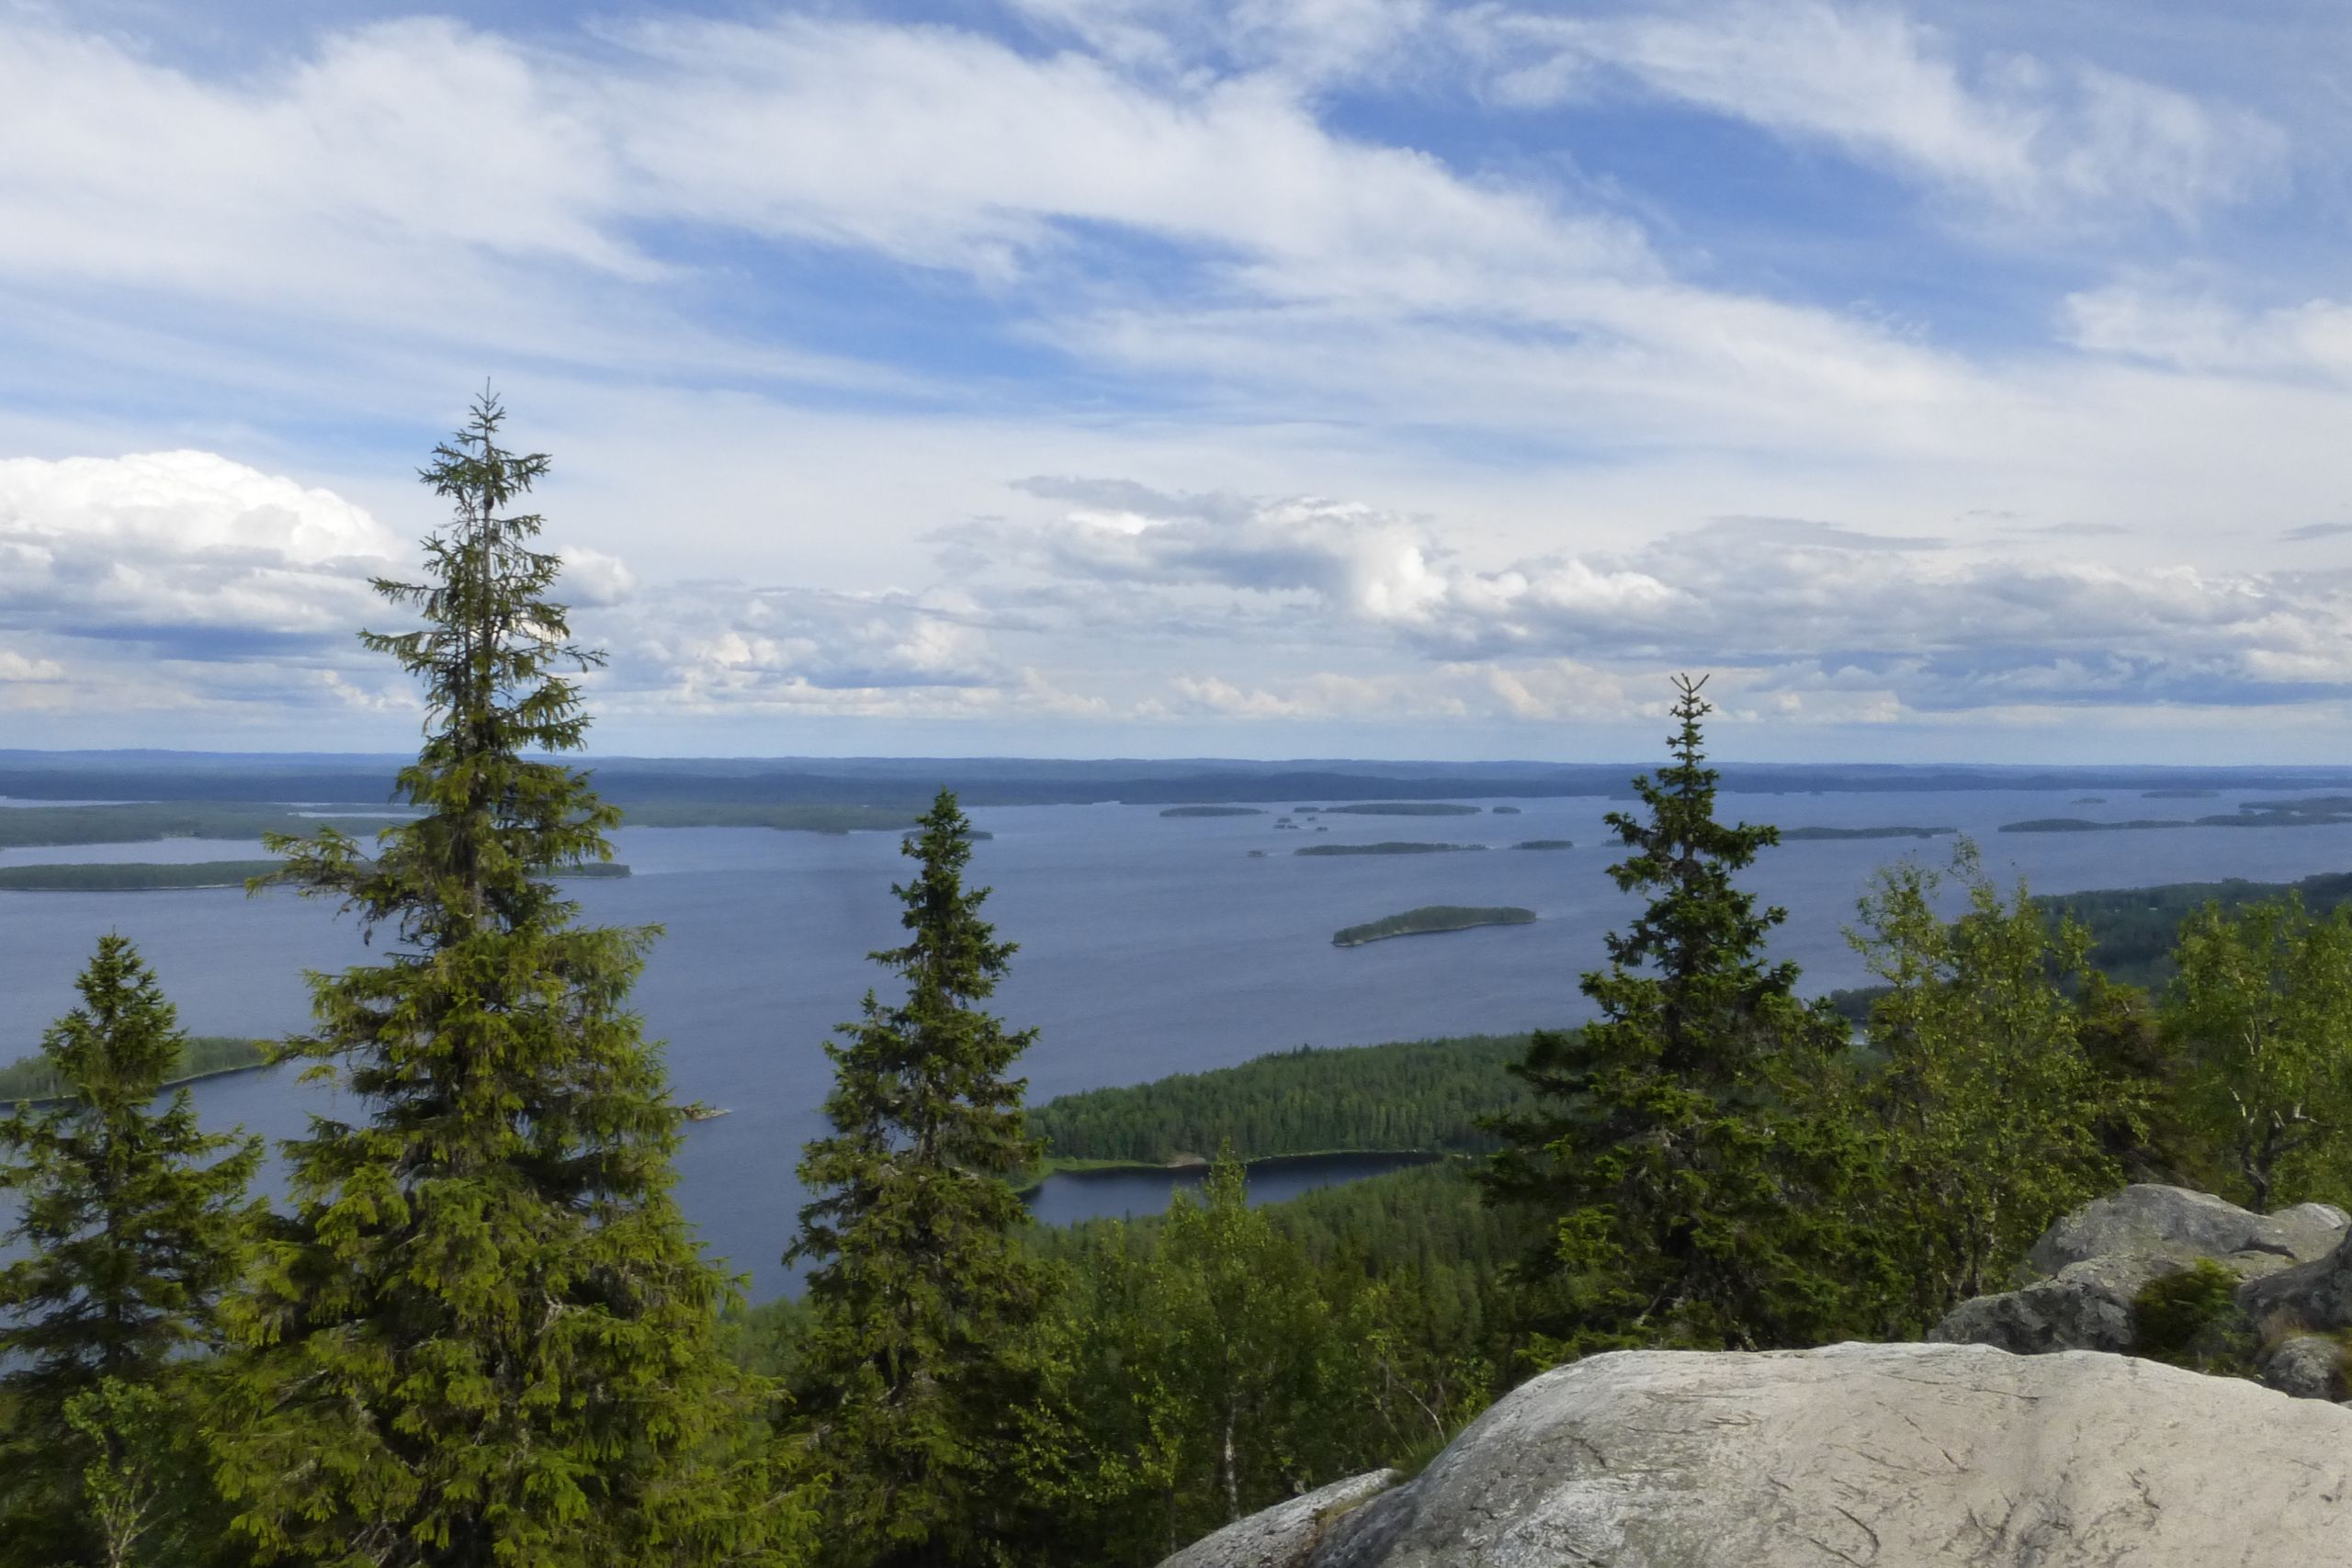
2192,1319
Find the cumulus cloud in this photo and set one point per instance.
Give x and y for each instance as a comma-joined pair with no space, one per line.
185,552
1814,612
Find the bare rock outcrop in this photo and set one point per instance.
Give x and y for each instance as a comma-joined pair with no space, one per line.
2100,1257
1285,1535
1957,1455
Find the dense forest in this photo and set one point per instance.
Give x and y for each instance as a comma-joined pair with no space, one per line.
1429,1094
473,1327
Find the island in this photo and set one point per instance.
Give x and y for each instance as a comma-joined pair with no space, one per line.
1429,919
1505,810
2090,800
1215,811
1387,847
1397,808
142,877
1803,835
1545,844
36,1078
2178,793
2078,825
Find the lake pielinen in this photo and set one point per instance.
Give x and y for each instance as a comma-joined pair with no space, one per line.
1150,945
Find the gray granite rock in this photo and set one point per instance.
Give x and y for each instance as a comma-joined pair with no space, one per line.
2087,1307
1284,1535
1893,1455
2305,1366
2146,1218
2315,1295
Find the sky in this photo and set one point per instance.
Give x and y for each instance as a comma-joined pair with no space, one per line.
1246,378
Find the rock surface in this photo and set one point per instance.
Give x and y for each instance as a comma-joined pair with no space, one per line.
2103,1254
2315,1295
1893,1455
2146,1218
2308,1366
2087,1307
1284,1535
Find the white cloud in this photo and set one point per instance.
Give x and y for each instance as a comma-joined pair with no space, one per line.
2056,143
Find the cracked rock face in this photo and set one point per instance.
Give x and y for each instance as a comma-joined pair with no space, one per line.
1892,1455
1285,1535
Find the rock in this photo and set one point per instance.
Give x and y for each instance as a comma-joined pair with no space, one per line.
2315,1295
2308,1366
2146,1218
1893,1455
1284,1535
2087,1307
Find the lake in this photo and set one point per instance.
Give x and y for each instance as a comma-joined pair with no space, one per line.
1150,945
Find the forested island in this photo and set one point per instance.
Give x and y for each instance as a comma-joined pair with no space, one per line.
1215,811
1396,808
201,1057
29,826
1545,844
145,876
1429,919
1385,847
1816,835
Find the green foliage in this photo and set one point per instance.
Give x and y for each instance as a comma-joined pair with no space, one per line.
484,1333
1988,1107
127,876
201,1055
2192,1319
2262,1005
127,1229
915,1358
1427,1094
1431,918
138,822
1218,1360
1659,1146
145,1495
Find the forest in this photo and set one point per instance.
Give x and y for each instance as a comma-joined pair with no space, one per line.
473,1328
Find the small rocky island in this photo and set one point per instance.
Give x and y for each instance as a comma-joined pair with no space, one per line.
1430,919
1215,811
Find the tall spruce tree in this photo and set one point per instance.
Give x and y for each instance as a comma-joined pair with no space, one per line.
129,1227
923,1302
485,1333
1658,1137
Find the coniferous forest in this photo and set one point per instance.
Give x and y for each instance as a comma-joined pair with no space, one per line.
475,1329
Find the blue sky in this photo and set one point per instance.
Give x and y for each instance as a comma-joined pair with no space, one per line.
1091,377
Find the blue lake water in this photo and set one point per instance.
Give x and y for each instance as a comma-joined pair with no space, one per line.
1150,945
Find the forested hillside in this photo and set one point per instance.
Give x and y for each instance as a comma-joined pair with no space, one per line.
1425,1094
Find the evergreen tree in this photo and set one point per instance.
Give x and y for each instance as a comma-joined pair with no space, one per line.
129,1224
917,1357
1660,1137
485,1333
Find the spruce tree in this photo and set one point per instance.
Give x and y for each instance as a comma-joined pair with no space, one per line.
129,1224
1659,1139
922,1301
485,1333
